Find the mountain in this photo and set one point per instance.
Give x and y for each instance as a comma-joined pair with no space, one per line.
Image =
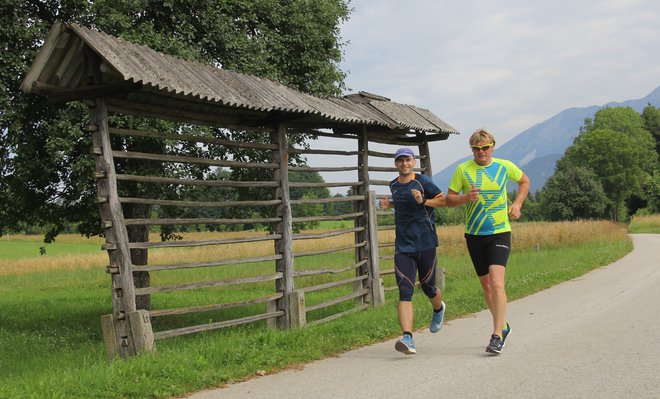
537,149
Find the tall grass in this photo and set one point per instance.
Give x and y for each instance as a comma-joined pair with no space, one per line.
51,340
645,224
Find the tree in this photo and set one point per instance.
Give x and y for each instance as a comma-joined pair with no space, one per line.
651,117
573,194
46,173
619,150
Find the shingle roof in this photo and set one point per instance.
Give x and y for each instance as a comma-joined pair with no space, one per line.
166,81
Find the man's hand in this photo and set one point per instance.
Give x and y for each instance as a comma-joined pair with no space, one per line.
417,195
384,203
473,194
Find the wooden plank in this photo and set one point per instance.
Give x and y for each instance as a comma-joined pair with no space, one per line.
335,301
215,326
318,272
330,250
322,169
322,152
213,307
328,200
191,160
338,315
189,221
201,243
332,284
195,182
327,234
192,139
209,284
323,218
207,264
317,185
196,204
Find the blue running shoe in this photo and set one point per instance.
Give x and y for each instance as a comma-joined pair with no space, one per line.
437,319
406,345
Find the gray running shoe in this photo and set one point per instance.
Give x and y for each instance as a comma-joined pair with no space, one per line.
496,344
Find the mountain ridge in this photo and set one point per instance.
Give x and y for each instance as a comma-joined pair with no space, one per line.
537,149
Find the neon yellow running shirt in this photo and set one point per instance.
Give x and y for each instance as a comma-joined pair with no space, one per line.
489,214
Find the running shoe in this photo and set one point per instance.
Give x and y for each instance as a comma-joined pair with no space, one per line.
505,333
406,345
436,320
495,345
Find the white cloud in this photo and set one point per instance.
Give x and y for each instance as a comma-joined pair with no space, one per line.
505,65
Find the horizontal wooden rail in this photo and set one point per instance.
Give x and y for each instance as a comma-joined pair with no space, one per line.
322,152
317,185
191,138
328,200
197,243
324,218
327,234
209,284
331,250
239,261
213,307
195,182
326,304
332,284
196,204
318,272
216,326
379,182
391,169
147,156
339,315
182,221
324,168
389,155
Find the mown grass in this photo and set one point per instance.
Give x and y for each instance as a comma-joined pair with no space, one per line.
52,346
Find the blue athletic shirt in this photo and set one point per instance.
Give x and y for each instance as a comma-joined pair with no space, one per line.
415,224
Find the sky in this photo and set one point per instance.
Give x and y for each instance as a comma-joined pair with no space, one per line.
503,65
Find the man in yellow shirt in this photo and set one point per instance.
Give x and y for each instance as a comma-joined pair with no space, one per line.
483,184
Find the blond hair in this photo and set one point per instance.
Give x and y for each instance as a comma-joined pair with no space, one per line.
481,135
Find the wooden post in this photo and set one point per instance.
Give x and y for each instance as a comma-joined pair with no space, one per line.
364,252
424,154
298,312
142,335
116,236
377,289
283,246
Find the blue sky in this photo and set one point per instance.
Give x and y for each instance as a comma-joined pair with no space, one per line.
504,65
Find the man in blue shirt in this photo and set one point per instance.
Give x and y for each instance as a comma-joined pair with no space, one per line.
413,197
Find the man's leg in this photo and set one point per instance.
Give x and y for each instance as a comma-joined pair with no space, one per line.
406,315
498,297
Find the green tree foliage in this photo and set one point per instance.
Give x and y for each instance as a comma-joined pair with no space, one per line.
620,151
46,168
651,117
575,193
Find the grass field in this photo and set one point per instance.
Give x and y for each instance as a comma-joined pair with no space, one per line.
50,308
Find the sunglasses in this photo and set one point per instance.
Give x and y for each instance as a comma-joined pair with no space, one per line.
483,147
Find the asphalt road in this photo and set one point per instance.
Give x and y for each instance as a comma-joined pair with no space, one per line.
597,336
